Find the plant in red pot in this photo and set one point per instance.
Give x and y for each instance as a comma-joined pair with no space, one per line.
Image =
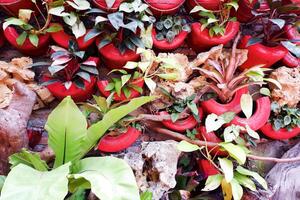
120,33
214,28
71,74
169,33
27,34
127,86
164,7
266,43
121,135
74,16
284,122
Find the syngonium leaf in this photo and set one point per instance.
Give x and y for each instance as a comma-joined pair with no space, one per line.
114,174
66,126
97,130
24,182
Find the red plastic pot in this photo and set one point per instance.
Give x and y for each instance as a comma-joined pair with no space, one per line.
243,13
201,40
164,7
281,134
27,48
113,58
164,45
292,33
34,137
2,38
118,143
12,7
259,54
260,116
208,4
294,2
290,60
138,82
62,39
182,125
212,106
78,95
207,168
103,6
210,137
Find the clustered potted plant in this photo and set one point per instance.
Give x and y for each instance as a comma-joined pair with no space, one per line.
203,66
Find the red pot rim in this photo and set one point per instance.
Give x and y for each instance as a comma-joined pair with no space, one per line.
8,2
290,60
182,125
157,6
204,3
260,116
212,106
292,33
281,134
104,7
118,143
165,45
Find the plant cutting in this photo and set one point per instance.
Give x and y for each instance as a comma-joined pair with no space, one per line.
215,27
164,7
122,134
120,33
73,14
108,5
29,39
283,124
126,87
71,73
266,45
169,33
71,173
12,7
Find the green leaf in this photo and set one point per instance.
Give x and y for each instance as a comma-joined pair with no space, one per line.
101,102
66,126
2,181
96,131
279,22
13,21
28,158
213,122
245,181
213,182
233,4
84,75
118,86
247,105
54,28
199,8
78,195
275,82
228,116
265,91
146,195
185,146
110,87
21,39
251,132
235,152
110,178
168,76
293,48
150,84
125,79
231,133
24,182
227,168
126,92
237,190
255,175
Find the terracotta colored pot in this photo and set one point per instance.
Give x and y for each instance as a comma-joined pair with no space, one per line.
259,54
260,116
113,58
212,106
12,7
103,6
207,168
201,40
118,143
290,60
102,85
27,48
208,4
292,34
182,125
164,7
61,38
164,45
210,137
78,95
281,134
